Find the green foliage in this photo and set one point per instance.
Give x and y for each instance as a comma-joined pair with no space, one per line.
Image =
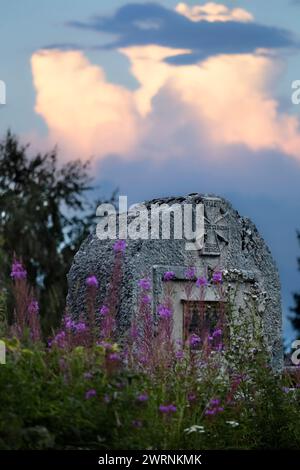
44,216
3,313
44,404
295,319
3,297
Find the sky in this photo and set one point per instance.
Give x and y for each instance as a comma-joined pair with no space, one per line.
167,98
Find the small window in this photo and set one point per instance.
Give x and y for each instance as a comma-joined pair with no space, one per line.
201,318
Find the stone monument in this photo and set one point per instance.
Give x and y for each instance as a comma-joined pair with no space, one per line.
231,245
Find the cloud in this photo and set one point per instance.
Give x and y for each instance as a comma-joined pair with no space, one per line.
84,113
213,12
227,98
148,66
153,24
224,98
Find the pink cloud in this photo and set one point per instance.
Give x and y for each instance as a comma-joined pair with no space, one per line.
226,98
212,11
85,114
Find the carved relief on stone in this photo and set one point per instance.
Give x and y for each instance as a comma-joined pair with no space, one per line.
216,234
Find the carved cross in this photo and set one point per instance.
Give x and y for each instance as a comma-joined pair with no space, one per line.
216,230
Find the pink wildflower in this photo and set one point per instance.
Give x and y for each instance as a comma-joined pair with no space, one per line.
144,283
18,272
194,340
142,397
92,281
104,310
33,307
217,277
168,276
167,409
90,394
190,273
119,246
146,299
179,354
201,281
114,357
164,312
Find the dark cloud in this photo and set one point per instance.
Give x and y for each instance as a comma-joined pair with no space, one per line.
68,46
143,24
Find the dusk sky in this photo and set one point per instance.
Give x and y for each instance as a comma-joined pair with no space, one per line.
167,98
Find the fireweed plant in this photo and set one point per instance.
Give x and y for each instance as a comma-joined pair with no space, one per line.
87,388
